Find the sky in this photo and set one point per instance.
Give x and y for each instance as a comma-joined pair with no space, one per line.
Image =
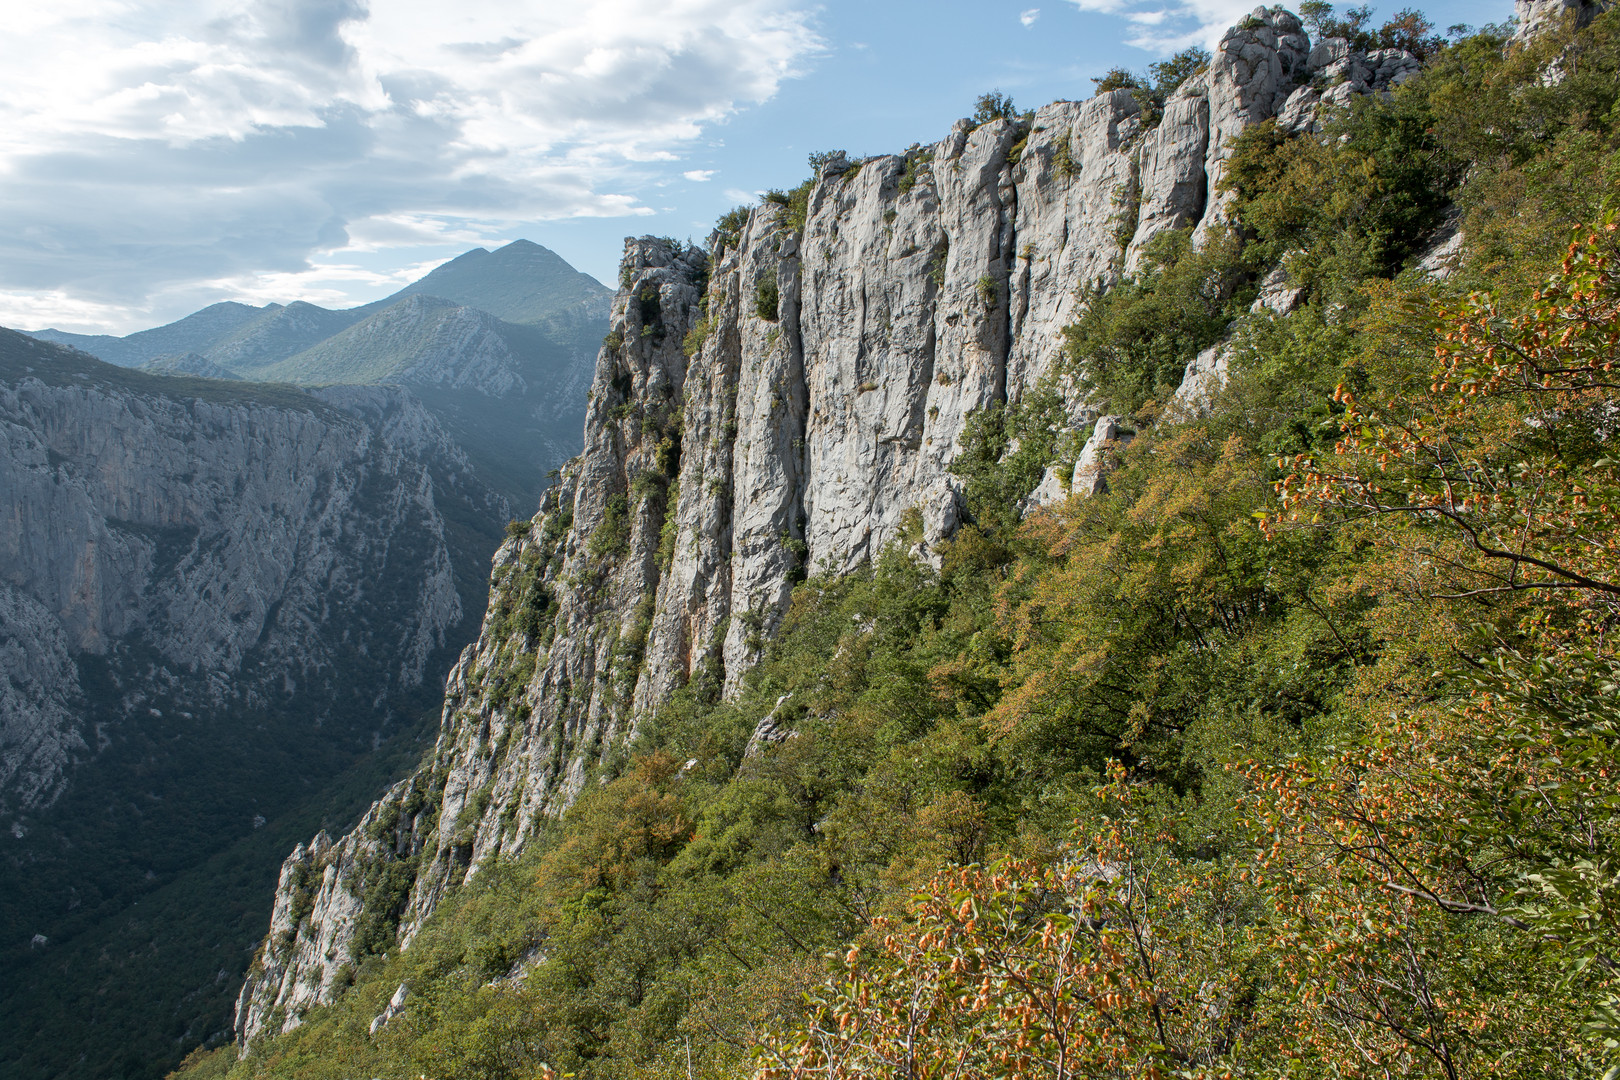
157,156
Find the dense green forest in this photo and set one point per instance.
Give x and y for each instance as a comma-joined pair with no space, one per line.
1295,752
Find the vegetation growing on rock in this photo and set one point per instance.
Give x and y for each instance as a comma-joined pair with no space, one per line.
1290,751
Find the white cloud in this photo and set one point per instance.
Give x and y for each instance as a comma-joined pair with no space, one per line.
64,311
699,175
149,146
1164,26
1028,16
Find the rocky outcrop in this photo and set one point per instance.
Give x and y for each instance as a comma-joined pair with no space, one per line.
226,551
1538,16
1078,185
41,729
1174,188
790,399
1254,69
1339,74
1204,376
1264,68
1108,437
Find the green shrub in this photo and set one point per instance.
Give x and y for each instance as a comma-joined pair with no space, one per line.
728,230
796,202
692,344
993,106
1168,75
613,534
767,297
936,263
1132,343
1063,157
1115,79
917,159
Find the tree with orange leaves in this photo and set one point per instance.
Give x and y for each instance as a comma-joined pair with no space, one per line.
1109,959
1448,889
1501,473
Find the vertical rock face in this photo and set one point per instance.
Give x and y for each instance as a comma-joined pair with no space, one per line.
780,404
40,730
1254,69
1078,188
548,688
206,553
1537,16
1174,187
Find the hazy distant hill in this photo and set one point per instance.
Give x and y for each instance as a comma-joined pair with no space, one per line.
506,339
421,339
277,333
188,364
196,332
520,283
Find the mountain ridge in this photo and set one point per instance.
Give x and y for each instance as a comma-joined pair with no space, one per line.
510,382
795,401
521,282
810,654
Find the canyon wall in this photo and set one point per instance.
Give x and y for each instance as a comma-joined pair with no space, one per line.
789,400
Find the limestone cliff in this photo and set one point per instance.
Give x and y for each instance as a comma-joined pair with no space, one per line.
206,548
1536,16
829,370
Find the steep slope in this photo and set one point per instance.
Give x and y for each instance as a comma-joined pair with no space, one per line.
214,597
836,362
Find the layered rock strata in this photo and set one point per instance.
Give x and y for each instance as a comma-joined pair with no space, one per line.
779,404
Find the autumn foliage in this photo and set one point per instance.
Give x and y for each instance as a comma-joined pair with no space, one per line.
1074,965
1436,893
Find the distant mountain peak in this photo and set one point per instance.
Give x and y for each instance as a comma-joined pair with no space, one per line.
465,257
522,282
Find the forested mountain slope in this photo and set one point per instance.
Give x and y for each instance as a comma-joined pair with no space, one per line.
1283,745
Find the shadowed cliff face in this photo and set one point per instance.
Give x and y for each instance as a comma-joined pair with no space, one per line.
214,598
830,371
203,553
